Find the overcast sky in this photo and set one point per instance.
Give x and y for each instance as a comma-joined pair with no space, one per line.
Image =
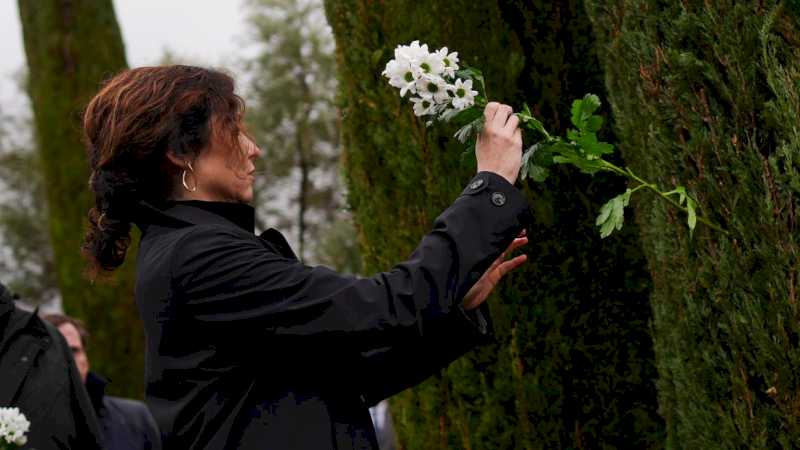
206,31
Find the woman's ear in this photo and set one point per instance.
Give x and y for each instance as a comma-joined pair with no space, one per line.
176,160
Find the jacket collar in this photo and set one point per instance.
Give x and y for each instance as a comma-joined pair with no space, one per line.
179,214
96,388
6,303
186,213
198,212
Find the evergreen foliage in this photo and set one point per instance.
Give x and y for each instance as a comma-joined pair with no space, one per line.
71,47
26,265
707,94
292,114
573,364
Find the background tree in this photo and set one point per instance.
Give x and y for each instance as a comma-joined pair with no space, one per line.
27,262
292,114
573,363
707,95
70,48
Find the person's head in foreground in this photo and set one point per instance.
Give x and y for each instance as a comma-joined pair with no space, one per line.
156,134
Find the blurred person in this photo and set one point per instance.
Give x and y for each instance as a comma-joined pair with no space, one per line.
247,347
38,376
126,424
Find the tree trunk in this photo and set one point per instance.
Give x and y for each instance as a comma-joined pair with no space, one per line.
573,363
71,46
706,94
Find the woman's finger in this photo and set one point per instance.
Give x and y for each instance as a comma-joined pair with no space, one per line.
500,118
517,243
490,110
511,264
511,124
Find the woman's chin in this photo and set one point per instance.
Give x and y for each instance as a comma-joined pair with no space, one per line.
246,196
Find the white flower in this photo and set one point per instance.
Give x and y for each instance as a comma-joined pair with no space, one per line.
13,426
463,95
450,61
401,75
422,106
411,53
433,87
430,64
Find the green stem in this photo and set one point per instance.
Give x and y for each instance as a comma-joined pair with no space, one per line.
637,188
642,183
530,127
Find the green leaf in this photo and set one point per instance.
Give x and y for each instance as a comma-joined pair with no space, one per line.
530,169
577,113
681,191
588,166
466,115
527,118
692,220
588,142
378,57
594,123
612,214
573,135
583,109
591,103
527,156
538,173
470,130
526,110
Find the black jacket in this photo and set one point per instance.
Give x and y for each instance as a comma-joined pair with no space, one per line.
126,423
38,375
249,348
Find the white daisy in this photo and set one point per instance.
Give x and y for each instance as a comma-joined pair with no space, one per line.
433,87
422,106
450,61
463,95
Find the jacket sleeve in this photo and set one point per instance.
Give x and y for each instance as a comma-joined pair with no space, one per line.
225,276
387,371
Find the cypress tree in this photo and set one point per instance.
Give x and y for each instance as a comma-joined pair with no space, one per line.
573,365
707,94
71,47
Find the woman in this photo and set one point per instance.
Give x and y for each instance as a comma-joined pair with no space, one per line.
246,346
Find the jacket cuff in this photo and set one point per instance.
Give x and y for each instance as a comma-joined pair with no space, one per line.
501,194
475,324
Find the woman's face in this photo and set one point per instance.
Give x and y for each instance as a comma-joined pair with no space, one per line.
223,175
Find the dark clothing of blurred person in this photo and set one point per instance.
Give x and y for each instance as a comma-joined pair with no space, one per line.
126,424
38,376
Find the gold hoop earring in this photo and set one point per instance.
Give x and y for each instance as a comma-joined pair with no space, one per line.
183,179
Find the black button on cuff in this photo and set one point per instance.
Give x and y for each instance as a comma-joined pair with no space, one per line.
476,185
498,198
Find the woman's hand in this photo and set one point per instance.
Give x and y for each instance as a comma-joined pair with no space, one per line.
481,290
499,146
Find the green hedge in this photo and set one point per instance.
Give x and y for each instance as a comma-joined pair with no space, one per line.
573,366
707,94
71,47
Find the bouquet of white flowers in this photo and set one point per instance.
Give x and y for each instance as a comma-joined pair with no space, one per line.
13,427
442,91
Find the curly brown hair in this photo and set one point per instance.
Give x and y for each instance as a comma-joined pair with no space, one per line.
129,126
